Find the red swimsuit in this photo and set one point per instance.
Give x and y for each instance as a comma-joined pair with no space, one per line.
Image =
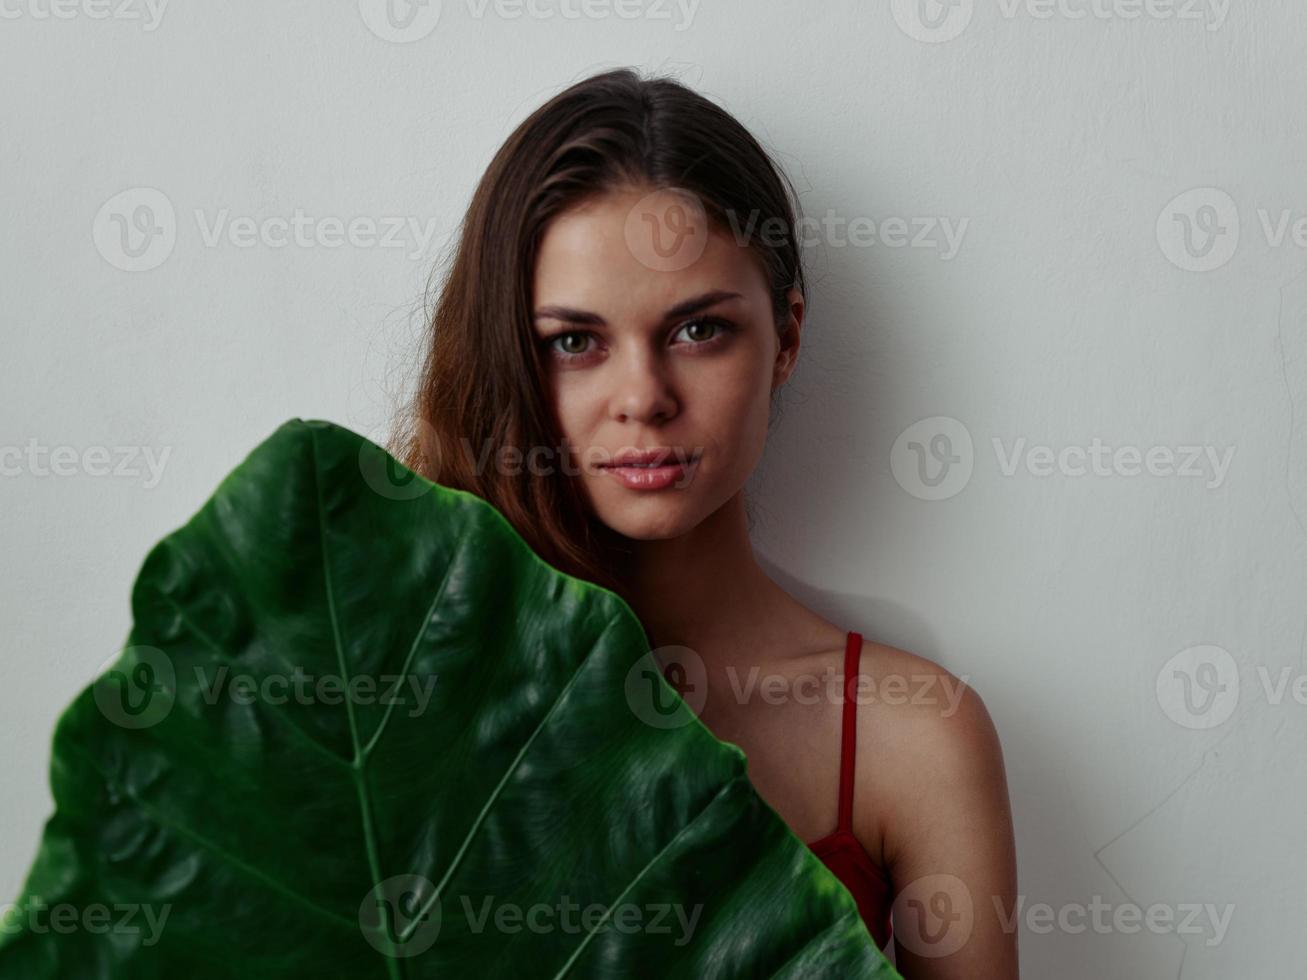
841,851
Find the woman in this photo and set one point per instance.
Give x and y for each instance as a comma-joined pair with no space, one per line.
626,299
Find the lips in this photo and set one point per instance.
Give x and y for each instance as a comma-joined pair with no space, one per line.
652,457
652,469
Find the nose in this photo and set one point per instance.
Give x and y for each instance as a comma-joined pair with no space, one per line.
642,389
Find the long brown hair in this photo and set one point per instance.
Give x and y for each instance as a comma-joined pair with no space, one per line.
481,389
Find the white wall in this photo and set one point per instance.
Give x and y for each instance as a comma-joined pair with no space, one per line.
1067,151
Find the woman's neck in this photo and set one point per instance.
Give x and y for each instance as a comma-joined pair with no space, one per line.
704,590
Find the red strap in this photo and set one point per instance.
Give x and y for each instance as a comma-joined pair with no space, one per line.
852,656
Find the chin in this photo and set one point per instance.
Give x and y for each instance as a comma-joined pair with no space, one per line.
652,520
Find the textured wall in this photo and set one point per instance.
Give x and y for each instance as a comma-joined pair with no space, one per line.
1047,428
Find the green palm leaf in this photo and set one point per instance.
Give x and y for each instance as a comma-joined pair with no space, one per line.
360,730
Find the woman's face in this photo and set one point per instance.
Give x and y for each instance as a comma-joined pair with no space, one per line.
657,335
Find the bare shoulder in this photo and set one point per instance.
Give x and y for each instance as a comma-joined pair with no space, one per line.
937,763
935,701
936,796
907,703
920,716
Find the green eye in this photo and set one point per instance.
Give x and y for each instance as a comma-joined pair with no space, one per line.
700,331
571,343
576,344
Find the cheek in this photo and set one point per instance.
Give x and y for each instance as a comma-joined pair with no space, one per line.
575,406
735,409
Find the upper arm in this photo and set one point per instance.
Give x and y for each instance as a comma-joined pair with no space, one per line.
948,839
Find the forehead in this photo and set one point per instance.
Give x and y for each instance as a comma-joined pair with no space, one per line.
584,261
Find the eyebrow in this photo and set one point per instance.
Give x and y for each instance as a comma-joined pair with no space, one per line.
681,309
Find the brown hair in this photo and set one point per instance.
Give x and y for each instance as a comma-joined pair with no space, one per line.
481,388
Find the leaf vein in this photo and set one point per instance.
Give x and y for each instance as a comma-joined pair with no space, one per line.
209,845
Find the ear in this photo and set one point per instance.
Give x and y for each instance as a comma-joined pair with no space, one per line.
787,352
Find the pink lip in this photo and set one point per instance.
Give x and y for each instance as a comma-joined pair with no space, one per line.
648,477
662,454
